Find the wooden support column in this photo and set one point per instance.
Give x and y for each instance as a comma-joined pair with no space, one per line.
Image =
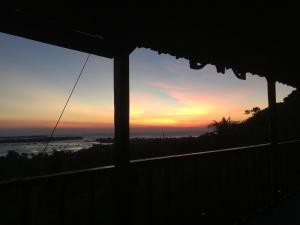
121,150
272,111
274,154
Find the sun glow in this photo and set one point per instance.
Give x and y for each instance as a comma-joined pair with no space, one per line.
163,90
192,111
153,121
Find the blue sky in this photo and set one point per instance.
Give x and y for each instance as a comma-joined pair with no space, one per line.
36,78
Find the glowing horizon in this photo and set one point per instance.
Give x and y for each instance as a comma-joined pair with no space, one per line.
36,79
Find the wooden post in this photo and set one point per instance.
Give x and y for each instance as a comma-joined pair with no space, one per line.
121,105
272,111
275,156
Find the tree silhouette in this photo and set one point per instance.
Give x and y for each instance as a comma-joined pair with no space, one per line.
223,126
252,111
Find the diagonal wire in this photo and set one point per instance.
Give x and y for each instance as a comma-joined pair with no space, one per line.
65,106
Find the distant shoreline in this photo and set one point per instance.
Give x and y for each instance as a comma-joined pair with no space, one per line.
40,138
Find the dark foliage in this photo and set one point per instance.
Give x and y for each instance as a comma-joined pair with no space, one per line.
225,134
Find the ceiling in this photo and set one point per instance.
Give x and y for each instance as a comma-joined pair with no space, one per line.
257,38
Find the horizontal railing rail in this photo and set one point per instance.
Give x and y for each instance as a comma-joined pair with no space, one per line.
195,154
204,187
135,161
53,176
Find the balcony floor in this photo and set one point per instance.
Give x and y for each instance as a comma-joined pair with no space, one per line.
287,212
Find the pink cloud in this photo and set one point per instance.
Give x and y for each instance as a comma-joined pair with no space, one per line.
30,123
167,87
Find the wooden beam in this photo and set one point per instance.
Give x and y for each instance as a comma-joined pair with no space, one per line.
121,104
272,111
276,177
121,150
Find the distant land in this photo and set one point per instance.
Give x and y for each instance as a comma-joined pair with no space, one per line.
106,132
39,138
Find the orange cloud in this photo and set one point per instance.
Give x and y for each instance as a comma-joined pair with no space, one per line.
19,123
165,122
25,123
186,108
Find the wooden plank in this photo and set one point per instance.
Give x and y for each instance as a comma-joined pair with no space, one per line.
272,111
121,117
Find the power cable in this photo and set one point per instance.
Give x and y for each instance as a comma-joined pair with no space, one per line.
65,106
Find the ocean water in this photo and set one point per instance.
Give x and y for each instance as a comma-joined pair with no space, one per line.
37,147
78,144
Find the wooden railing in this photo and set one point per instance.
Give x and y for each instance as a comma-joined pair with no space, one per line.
222,186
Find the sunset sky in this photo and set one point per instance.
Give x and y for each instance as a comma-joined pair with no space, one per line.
36,79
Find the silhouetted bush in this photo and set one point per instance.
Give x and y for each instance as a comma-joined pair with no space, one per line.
225,134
